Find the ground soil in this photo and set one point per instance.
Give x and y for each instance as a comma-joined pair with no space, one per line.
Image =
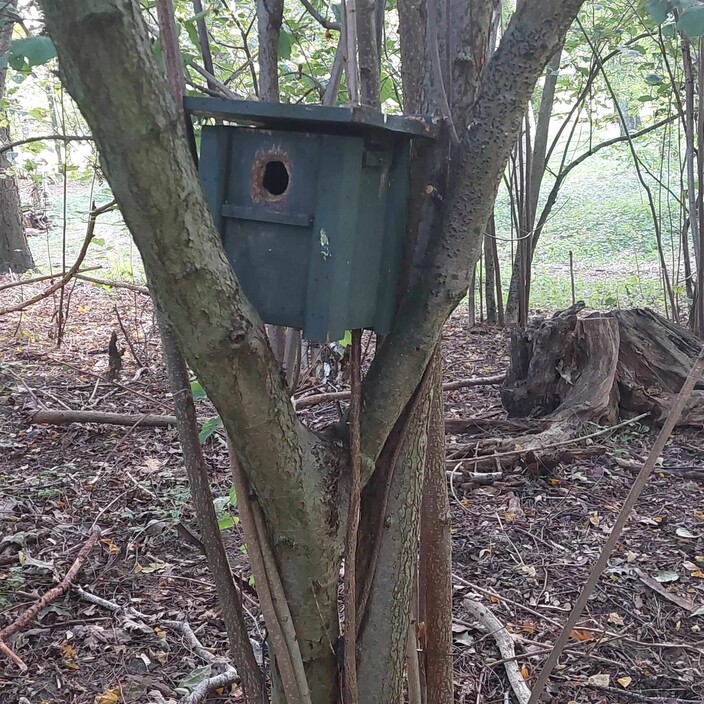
524,544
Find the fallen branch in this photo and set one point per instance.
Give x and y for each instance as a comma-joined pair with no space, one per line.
550,446
315,399
204,688
51,417
628,505
184,628
461,426
30,613
505,644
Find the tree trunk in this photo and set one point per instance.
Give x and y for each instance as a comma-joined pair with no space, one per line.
436,554
15,254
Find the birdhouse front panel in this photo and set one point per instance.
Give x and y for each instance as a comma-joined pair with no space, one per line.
312,220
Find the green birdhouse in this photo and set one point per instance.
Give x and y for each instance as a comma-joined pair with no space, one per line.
311,203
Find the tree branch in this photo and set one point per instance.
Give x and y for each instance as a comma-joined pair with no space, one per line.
58,137
532,37
151,172
326,24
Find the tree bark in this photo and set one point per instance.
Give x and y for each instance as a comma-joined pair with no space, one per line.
436,555
269,18
15,254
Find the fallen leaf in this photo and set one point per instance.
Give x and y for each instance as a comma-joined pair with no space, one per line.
616,619
684,533
110,696
625,681
525,672
699,515
698,573
594,519
155,567
112,548
529,626
581,635
600,680
68,651
667,576
689,566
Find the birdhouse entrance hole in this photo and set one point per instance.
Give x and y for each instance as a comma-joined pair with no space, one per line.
275,180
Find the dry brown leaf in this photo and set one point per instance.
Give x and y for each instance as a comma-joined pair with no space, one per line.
110,696
616,619
625,681
525,672
581,635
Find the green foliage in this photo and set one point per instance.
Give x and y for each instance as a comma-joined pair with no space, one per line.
209,427
29,52
224,505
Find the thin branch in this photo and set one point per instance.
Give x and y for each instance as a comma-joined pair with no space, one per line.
90,231
45,137
326,24
25,617
351,689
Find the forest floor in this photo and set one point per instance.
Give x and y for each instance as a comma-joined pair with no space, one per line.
523,545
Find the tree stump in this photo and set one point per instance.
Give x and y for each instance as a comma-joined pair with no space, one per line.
600,367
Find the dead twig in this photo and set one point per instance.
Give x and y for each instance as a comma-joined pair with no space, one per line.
315,399
135,356
204,688
90,231
30,613
39,279
51,417
115,284
506,646
550,446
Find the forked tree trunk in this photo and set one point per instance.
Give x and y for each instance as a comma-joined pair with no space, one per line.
300,479
15,254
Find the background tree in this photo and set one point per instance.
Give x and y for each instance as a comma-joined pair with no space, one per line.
14,251
299,479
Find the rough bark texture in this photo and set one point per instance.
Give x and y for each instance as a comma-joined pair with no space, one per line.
435,570
600,367
531,38
14,251
384,630
269,18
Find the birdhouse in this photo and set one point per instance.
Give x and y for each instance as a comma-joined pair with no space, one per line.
311,204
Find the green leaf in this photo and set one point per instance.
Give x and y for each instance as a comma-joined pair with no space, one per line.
195,677
658,10
346,341
336,10
192,32
209,427
284,45
198,391
37,50
233,496
227,521
691,22
653,79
